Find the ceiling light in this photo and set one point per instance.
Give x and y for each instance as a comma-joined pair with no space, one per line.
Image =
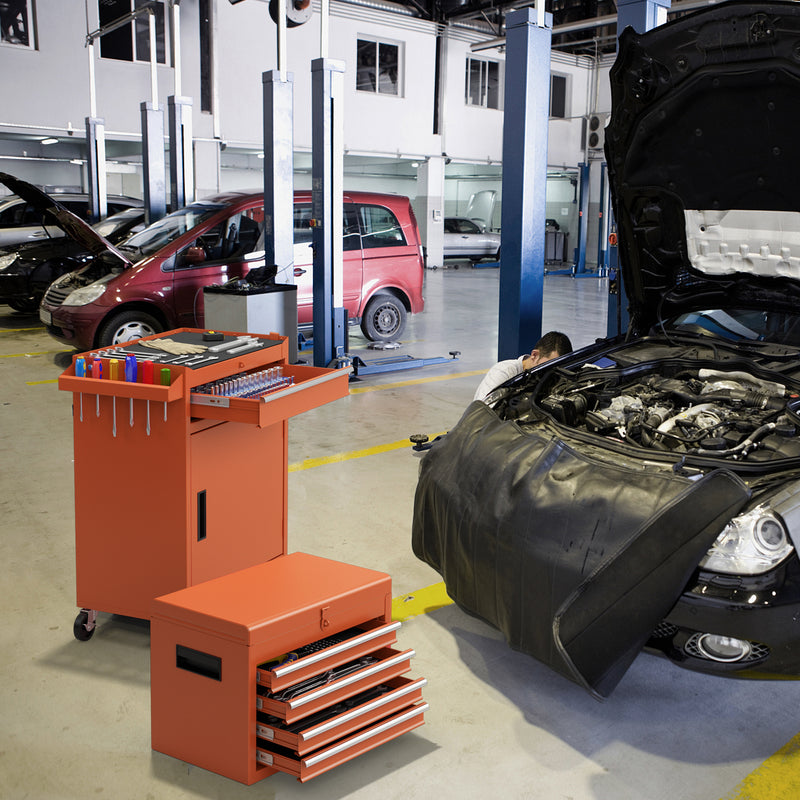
259,155
49,140
415,164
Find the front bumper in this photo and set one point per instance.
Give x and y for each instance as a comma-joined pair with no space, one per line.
73,326
762,610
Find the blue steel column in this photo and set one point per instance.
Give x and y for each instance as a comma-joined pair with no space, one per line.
154,166
278,100
583,218
527,100
642,16
602,227
96,166
330,318
181,160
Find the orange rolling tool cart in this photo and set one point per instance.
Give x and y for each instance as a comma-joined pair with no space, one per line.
287,666
181,461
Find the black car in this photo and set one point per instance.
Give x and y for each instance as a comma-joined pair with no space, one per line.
27,270
644,492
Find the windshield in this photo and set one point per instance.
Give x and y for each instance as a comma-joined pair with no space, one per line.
169,228
108,226
743,324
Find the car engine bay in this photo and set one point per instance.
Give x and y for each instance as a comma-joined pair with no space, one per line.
703,412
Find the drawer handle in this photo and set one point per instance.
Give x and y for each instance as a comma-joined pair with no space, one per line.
286,669
365,709
414,712
356,676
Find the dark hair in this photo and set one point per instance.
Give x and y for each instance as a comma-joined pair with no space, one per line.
554,341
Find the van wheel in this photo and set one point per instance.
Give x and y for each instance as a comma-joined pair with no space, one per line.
384,318
127,326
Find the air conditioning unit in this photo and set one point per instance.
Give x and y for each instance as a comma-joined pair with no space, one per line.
596,131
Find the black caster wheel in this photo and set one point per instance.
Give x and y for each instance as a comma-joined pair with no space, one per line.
82,634
419,440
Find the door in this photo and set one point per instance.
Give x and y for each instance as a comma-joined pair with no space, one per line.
304,261
216,256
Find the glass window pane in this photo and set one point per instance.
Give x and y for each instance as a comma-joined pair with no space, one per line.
381,228
116,44
303,232
143,34
558,96
388,63
351,230
474,81
366,66
15,22
492,84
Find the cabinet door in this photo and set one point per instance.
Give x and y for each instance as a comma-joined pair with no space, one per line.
237,499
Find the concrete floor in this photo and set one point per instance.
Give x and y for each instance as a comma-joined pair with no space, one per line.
75,717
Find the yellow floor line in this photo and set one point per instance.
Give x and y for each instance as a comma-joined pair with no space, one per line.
778,778
310,463
39,383
414,382
21,330
422,601
26,355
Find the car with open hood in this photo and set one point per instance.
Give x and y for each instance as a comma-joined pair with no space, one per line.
27,270
644,492
154,281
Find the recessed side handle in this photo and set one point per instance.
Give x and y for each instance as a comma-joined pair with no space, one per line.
198,662
201,515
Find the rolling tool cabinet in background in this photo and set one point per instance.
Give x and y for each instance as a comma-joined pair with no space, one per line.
174,486
261,661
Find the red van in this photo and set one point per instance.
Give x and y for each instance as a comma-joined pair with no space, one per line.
154,281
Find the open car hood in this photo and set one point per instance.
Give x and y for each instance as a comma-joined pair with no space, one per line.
701,150
72,225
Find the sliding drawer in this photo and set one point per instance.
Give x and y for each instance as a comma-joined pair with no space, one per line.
329,687
345,749
340,719
325,654
312,387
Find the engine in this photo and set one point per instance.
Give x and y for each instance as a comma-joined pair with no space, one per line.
705,412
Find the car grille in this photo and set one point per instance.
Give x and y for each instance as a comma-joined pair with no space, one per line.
664,630
56,295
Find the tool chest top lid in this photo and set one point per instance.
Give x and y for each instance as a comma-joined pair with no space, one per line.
243,605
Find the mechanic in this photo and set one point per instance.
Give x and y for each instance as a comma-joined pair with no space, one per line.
551,345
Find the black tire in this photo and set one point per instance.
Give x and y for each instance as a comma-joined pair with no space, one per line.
79,627
27,305
127,325
384,318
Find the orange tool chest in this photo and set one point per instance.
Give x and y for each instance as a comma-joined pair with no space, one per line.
287,666
174,486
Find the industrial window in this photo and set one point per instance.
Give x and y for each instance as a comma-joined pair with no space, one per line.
378,67
483,83
131,41
17,23
558,96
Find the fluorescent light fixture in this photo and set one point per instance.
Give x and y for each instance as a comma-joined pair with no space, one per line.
49,140
259,155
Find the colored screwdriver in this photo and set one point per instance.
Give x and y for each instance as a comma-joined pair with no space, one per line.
130,377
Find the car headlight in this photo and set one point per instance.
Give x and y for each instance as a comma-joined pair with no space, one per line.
751,543
85,295
7,261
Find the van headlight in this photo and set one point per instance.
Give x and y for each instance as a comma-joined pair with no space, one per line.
751,543
85,295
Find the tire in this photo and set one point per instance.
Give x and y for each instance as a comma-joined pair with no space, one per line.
79,629
126,326
27,305
384,318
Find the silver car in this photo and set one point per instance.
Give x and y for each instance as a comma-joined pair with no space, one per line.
465,239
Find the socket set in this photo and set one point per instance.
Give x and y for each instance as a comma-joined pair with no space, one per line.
247,384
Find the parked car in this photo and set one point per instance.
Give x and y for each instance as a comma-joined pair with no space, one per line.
154,280
645,491
22,221
27,270
463,238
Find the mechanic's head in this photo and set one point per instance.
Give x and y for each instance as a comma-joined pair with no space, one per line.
551,345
